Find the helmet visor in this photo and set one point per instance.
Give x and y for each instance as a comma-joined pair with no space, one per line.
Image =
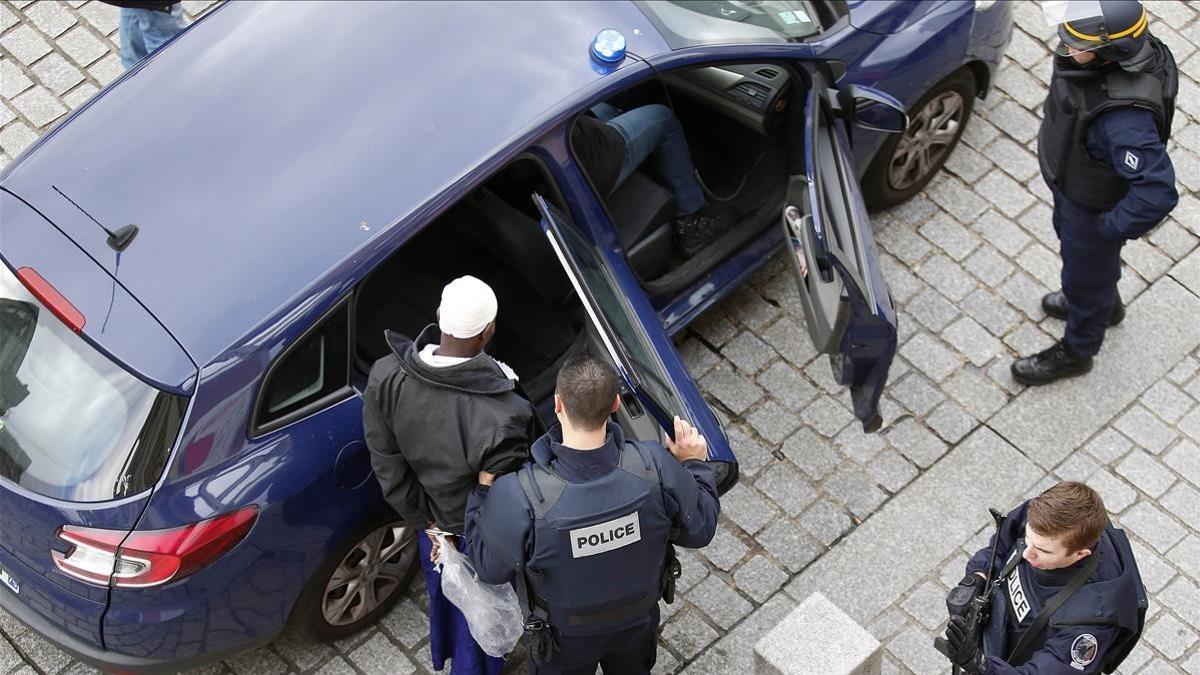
1080,24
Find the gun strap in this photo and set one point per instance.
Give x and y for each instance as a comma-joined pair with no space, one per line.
1024,647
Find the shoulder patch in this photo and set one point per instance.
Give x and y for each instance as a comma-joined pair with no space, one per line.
1132,161
1083,651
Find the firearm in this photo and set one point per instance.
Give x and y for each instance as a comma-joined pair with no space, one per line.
970,602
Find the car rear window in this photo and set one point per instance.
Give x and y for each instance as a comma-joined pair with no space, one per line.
686,23
73,424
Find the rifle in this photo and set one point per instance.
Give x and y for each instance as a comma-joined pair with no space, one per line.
976,606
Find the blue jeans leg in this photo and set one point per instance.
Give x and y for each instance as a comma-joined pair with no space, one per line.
653,132
145,30
1090,271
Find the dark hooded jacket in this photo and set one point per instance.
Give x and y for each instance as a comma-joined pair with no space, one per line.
432,430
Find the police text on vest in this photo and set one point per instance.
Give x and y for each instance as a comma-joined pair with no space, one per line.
607,536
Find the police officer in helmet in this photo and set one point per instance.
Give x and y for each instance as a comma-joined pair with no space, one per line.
1102,150
1067,599
585,529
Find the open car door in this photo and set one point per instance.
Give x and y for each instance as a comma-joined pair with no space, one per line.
656,384
848,308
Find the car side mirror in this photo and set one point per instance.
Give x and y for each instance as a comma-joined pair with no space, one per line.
872,109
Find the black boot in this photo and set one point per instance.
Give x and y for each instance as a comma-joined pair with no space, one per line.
1055,305
1051,365
696,230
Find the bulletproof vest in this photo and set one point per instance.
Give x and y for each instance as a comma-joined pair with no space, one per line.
598,547
1120,602
1076,97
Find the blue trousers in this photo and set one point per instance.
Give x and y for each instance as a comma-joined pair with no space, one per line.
653,132
145,30
449,635
1091,267
629,652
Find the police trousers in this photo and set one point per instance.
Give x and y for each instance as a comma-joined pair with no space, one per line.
1091,267
633,651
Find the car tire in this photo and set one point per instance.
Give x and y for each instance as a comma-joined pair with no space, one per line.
373,585
906,162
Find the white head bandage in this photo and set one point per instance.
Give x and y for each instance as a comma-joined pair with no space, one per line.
468,306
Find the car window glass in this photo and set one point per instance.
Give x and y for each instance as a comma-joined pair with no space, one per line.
686,23
310,371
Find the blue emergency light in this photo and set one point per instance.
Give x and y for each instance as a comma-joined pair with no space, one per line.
609,46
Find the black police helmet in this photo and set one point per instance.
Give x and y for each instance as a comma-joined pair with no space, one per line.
1119,34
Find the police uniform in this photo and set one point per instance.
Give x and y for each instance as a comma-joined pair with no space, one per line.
1092,631
1102,151
585,537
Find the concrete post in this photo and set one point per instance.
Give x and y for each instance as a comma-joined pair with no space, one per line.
817,638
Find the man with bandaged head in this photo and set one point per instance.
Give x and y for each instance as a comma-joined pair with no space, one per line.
436,412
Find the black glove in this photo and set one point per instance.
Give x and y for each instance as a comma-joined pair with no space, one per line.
962,641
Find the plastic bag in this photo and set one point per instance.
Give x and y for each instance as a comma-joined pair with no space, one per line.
493,612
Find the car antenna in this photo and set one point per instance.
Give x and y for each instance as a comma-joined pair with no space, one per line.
117,241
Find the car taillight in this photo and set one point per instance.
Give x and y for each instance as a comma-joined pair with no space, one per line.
49,296
149,557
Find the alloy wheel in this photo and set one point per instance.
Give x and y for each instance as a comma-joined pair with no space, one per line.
368,574
930,135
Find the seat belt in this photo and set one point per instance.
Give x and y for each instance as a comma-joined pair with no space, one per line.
1024,647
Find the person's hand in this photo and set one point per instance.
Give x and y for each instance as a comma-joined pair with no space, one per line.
963,643
688,443
486,478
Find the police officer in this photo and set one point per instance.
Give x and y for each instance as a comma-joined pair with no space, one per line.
585,529
1102,150
1068,596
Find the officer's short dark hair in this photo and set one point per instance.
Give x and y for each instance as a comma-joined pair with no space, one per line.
1069,511
587,386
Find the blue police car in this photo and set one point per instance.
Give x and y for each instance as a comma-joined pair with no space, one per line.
199,265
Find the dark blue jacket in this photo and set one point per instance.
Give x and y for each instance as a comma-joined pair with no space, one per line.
1080,634
1128,139
499,520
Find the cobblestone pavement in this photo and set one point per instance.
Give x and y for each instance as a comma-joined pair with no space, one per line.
881,524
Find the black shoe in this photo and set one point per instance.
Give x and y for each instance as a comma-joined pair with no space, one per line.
696,230
1055,305
1050,365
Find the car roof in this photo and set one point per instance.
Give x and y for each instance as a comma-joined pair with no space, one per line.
272,141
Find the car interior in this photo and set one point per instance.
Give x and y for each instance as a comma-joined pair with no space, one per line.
733,118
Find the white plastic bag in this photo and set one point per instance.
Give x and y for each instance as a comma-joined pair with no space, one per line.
493,612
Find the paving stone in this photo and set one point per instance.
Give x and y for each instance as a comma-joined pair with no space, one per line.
1190,424
57,74
915,650
1024,293
947,276
1183,502
698,358
791,341
786,488
967,164
820,373
1167,401
12,79
903,243
1185,458
7,18
1001,233
747,352
1015,121
103,18
1001,374
826,416
107,69
1015,160
973,341
988,266
759,578
916,442
9,658
812,453
1146,260
1186,556
745,507
1023,88
79,95
1004,193
732,389
715,328
858,446
916,394
1117,494
887,624
1078,467
725,550
927,604
50,18
957,198
1025,50
856,490
261,660
692,567
407,624
1171,238
24,43
1153,526
928,355
979,132
1183,598
991,312
773,422
1108,446
39,106
1170,636
1145,429
788,544
1143,471
40,653
721,603
891,470
688,634
950,236
951,422
751,455
933,310
750,308
379,655
826,521
916,210
1044,266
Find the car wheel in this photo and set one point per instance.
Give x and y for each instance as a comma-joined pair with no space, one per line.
906,162
360,581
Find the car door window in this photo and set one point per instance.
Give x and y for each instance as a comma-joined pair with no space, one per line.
310,375
610,312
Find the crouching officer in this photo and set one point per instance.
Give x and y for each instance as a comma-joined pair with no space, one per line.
1102,150
585,529
1068,597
